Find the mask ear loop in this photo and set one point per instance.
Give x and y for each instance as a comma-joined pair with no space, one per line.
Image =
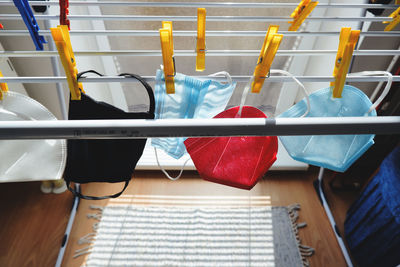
225,74
301,86
244,96
165,172
248,85
385,90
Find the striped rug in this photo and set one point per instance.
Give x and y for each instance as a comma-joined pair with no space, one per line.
143,235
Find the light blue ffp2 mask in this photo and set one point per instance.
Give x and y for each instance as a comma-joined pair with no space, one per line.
193,98
335,152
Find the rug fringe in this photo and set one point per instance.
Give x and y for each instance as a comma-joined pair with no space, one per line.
87,239
82,251
305,251
90,237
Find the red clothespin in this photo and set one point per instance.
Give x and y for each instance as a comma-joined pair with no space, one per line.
1,26
64,11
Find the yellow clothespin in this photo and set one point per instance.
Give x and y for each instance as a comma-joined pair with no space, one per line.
301,13
347,42
168,25
3,88
63,43
270,47
396,20
167,48
201,40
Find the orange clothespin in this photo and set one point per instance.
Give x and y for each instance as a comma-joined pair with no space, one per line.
63,43
3,87
167,48
201,40
347,42
270,47
396,20
301,13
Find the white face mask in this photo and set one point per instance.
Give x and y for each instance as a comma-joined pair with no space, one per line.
29,160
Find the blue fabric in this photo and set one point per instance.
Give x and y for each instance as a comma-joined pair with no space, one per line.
372,226
335,152
193,98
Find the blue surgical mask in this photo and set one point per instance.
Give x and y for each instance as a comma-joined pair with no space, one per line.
335,152
193,98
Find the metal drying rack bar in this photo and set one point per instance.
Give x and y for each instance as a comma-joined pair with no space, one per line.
150,33
201,4
241,78
100,129
192,18
186,53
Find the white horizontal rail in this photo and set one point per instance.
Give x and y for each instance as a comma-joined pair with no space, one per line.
241,78
191,18
150,33
100,129
192,53
200,4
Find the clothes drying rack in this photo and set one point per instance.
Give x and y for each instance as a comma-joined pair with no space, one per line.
190,128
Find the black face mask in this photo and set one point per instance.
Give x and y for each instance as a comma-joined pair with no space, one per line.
109,160
378,11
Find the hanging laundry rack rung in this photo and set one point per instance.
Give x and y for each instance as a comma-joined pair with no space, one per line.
200,4
192,18
150,33
241,78
186,53
100,129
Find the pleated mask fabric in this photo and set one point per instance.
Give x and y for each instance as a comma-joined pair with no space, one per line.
29,159
193,98
104,160
334,152
234,161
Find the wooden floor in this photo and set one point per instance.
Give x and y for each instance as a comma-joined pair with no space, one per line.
32,224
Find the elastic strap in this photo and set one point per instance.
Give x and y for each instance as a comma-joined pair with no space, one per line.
385,90
80,74
225,74
148,89
78,194
248,85
130,75
165,172
244,96
301,86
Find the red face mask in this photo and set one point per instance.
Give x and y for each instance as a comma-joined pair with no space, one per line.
234,161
